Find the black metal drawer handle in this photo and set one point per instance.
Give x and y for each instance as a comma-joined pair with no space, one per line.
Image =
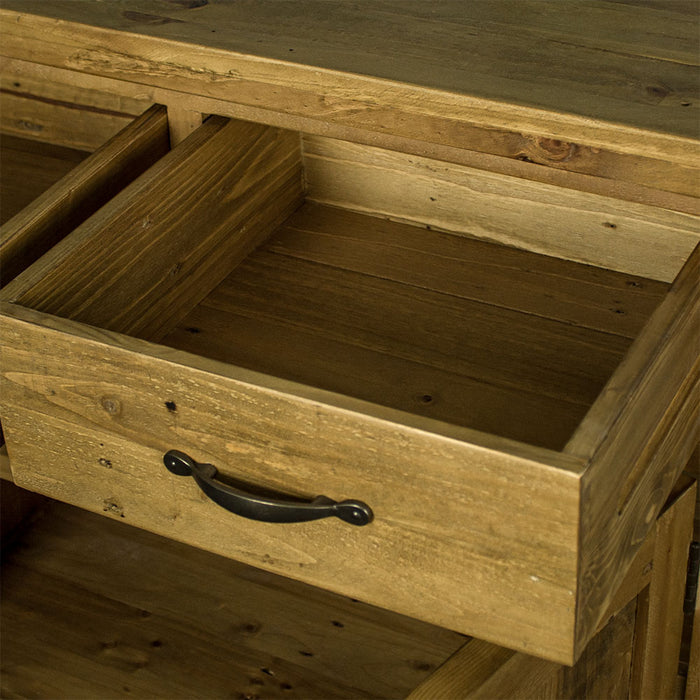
271,510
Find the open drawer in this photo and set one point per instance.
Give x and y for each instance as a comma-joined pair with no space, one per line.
513,421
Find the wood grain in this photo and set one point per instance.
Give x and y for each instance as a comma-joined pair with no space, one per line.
78,195
174,233
502,504
595,170
368,307
629,90
660,619
181,123
487,672
93,607
587,228
644,423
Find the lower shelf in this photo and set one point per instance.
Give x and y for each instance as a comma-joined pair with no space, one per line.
94,608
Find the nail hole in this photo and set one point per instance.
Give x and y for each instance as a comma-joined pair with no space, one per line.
305,653
267,671
192,329
609,224
426,398
686,104
156,643
171,406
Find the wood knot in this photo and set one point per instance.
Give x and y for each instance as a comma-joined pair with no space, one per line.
544,150
111,405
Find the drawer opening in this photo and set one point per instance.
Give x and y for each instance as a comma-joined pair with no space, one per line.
49,190
266,267
511,418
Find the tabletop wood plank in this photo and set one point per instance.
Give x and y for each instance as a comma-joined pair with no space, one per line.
609,74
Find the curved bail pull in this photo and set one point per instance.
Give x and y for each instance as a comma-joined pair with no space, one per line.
272,510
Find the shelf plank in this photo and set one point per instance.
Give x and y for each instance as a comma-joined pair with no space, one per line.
96,608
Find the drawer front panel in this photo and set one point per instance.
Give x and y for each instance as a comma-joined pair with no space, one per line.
465,536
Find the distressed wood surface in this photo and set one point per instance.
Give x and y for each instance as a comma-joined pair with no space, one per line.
584,227
58,123
625,177
101,409
95,608
181,123
484,671
645,423
185,224
367,307
616,77
88,186
660,615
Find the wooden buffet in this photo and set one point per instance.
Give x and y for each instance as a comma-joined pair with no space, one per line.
437,258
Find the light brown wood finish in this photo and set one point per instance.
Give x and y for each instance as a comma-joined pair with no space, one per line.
540,160
181,123
470,268
484,671
638,437
186,223
367,307
632,92
124,402
92,183
584,227
56,121
93,606
660,616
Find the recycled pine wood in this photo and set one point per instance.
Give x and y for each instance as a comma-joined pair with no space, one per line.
175,224
112,392
94,607
630,92
70,201
644,422
227,416
58,122
588,228
181,123
335,285
660,614
482,671
628,178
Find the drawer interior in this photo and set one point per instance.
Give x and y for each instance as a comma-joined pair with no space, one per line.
468,332
265,270
29,168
